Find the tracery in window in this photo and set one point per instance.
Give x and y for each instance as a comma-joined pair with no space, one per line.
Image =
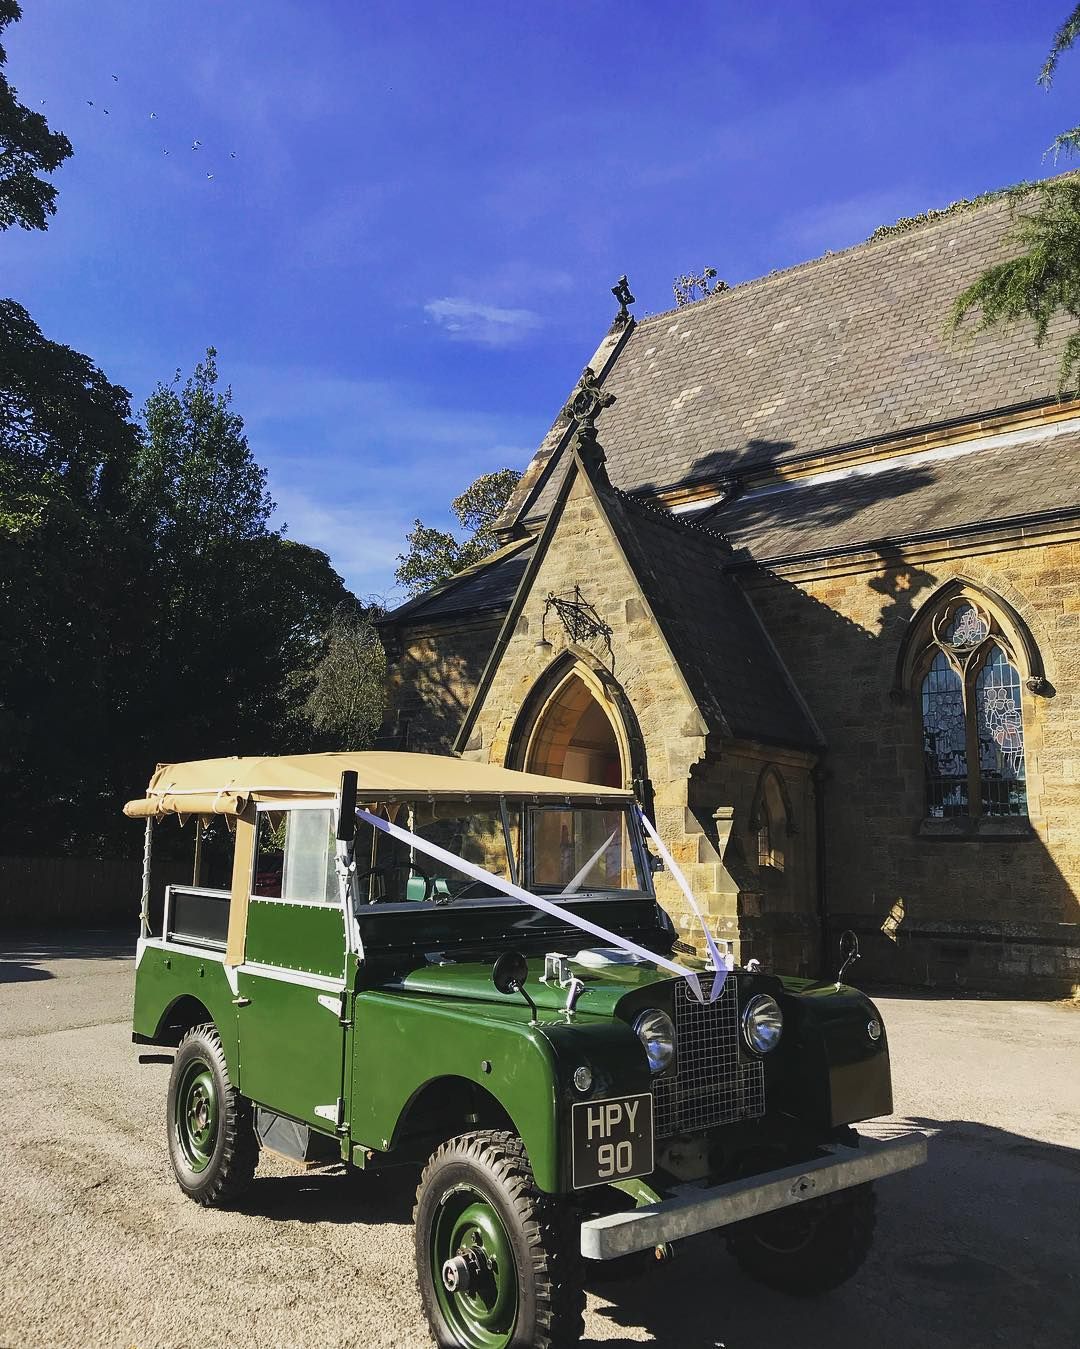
972,716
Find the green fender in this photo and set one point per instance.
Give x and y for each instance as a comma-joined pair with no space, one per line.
166,978
403,1042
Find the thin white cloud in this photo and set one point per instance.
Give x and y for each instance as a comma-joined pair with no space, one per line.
362,544
487,325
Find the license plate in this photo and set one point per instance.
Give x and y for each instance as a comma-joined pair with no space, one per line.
612,1139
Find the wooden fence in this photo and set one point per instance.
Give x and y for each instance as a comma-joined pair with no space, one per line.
75,891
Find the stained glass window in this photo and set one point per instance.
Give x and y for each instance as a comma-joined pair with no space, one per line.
1000,728
968,627
944,740
972,715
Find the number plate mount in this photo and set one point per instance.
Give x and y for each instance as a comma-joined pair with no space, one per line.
612,1139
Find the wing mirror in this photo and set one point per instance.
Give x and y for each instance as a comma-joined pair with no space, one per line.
509,974
346,824
849,953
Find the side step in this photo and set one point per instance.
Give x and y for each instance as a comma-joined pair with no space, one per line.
294,1141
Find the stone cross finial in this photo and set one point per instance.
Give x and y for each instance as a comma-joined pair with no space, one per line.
621,291
583,407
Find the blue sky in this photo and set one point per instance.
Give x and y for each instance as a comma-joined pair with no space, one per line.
416,211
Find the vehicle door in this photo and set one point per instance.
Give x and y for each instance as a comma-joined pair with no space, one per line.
292,982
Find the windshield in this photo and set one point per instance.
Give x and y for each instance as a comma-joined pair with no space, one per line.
564,852
580,850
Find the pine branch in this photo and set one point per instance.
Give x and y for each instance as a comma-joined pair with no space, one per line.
1063,40
1042,281
1068,143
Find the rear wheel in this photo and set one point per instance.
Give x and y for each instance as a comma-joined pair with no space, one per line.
810,1248
496,1259
212,1143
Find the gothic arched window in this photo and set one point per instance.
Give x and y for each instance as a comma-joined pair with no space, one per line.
972,715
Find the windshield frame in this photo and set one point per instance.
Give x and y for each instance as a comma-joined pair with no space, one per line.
519,862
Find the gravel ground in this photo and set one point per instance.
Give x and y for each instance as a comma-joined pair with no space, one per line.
98,1246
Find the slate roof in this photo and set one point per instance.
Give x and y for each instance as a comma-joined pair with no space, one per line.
487,586
1012,476
838,351
732,669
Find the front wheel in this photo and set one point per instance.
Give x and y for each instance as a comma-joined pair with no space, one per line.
810,1248
496,1259
212,1142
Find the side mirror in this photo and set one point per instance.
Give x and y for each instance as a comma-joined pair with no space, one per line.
849,953
509,974
346,824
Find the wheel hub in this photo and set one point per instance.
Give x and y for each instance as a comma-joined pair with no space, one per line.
463,1271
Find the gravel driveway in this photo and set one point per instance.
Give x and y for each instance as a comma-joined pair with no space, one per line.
98,1246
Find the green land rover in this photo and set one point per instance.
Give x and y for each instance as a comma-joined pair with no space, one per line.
400,959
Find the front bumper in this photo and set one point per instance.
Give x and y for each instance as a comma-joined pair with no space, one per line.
702,1208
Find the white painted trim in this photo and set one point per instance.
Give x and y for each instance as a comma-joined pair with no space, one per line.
325,983
162,944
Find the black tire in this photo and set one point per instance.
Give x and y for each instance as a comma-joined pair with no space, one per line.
811,1248
543,1239
213,1146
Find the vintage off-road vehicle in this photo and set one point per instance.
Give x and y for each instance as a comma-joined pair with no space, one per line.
389,959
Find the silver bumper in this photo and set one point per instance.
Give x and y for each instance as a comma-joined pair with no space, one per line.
697,1208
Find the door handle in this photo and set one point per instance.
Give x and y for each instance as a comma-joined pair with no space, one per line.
241,1002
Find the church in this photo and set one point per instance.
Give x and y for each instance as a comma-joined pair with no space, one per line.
804,569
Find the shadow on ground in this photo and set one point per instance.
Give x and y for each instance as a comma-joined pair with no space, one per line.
961,1245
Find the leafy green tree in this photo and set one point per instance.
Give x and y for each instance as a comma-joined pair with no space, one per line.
347,697
239,612
27,149
434,555
1042,281
69,597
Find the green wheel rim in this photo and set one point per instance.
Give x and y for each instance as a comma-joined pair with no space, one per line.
196,1121
466,1227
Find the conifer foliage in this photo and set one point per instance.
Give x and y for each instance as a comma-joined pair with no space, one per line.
1041,282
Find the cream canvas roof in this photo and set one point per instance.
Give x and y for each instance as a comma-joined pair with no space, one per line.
223,786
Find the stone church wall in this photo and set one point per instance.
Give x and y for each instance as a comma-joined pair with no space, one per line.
703,793
432,682
999,914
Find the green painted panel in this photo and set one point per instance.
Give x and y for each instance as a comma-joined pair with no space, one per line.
291,1047
403,1042
165,976
309,938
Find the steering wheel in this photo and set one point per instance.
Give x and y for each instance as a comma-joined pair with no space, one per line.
387,872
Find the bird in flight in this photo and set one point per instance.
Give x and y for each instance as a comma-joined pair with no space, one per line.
195,144
153,117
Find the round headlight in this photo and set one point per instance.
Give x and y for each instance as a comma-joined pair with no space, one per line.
656,1032
762,1023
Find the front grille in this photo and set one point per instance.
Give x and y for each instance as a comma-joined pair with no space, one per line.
711,1084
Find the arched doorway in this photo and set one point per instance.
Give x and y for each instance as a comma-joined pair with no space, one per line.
574,737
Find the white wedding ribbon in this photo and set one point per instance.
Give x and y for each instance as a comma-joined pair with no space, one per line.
564,915
721,964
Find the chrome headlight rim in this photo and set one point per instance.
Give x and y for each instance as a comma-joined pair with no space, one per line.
762,1024
656,1032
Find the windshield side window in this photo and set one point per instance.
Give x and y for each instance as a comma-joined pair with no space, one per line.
294,856
581,849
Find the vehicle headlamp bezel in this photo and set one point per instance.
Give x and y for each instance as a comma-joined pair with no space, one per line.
762,1024
656,1031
